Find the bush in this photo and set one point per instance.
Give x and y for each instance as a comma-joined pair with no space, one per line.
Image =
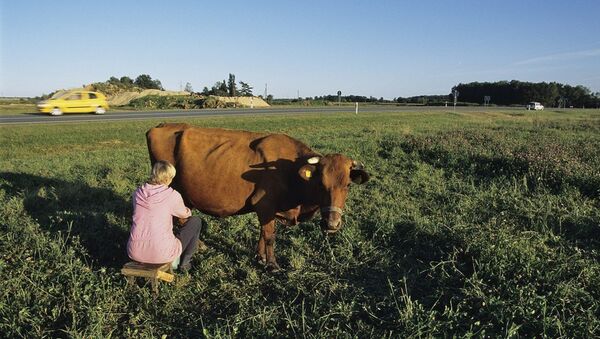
166,102
212,102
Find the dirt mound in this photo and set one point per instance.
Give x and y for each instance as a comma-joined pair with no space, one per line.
124,98
243,101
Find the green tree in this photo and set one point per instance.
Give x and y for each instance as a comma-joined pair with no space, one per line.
245,90
188,87
146,81
223,89
218,89
125,80
158,85
231,87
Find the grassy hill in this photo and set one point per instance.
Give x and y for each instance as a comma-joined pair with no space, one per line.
473,224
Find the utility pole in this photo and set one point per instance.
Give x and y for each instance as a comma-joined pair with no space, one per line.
265,92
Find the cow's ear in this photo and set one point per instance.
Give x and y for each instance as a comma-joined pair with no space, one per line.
359,176
307,171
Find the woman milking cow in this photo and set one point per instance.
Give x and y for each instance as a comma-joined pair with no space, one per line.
227,172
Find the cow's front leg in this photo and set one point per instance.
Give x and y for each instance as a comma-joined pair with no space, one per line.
261,251
266,244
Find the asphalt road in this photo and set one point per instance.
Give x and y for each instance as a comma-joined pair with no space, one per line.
39,118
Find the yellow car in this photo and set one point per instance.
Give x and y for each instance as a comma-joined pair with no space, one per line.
74,102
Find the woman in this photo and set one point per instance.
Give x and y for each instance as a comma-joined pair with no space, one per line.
151,239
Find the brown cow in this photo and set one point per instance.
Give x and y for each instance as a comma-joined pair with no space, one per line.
227,172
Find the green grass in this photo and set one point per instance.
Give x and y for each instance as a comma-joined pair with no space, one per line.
17,108
473,224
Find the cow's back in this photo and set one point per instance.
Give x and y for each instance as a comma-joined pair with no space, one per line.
219,170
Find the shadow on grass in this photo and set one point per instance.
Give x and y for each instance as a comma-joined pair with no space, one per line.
426,268
90,213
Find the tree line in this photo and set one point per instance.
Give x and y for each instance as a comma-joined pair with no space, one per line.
142,81
220,88
346,98
229,88
550,94
427,100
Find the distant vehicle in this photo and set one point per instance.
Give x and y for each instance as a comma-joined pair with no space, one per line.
74,102
536,106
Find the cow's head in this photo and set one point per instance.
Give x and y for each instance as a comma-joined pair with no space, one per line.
328,180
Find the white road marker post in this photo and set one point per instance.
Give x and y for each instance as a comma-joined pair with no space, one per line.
455,92
356,108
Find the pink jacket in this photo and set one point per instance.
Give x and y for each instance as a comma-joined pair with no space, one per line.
151,239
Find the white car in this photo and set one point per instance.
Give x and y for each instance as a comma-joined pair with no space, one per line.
536,106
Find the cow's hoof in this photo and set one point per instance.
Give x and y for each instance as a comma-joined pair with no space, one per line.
273,267
261,261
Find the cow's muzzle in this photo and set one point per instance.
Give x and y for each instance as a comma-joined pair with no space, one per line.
331,219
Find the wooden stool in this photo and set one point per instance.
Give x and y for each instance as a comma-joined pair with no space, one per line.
152,272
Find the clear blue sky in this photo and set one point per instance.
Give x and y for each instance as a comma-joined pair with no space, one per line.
373,48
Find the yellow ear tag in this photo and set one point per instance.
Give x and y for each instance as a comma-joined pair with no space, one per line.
308,173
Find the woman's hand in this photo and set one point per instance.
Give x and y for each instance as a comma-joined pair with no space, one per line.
179,222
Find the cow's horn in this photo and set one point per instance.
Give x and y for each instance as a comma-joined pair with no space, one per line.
313,160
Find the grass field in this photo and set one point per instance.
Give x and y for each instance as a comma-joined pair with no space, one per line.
473,224
17,108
